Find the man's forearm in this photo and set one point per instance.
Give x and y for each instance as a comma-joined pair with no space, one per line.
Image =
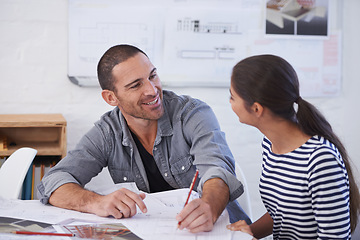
119,204
74,197
216,194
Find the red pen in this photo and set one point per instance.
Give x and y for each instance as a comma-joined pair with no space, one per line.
44,233
191,188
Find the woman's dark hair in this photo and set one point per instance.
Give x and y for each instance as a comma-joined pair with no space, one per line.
272,82
113,56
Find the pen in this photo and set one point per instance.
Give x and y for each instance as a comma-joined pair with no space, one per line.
44,233
191,188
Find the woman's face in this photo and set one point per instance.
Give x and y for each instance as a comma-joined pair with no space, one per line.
238,105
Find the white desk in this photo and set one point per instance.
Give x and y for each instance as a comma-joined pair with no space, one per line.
155,224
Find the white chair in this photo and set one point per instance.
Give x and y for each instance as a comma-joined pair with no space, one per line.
244,199
356,233
13,172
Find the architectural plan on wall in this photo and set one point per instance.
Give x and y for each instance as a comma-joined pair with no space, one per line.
197,42
203,46
95,26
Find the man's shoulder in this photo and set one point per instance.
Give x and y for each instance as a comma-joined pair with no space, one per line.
173,100
112,115
109,120
185,107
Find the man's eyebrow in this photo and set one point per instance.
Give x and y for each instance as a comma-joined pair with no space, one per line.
152,71
139,79
135,81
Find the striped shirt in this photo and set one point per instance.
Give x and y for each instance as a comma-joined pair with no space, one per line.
306,191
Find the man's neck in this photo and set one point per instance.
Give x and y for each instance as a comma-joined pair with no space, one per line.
145,130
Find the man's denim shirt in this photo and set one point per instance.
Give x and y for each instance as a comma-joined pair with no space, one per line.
188,137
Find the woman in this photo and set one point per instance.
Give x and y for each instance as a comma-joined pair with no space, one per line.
306,184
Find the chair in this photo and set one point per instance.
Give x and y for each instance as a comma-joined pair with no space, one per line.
244,199
356,233
13,172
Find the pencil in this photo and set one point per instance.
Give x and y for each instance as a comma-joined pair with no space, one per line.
44,233
191,188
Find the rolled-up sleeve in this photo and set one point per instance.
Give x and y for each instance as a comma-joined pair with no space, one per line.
209,148
52,182
79,166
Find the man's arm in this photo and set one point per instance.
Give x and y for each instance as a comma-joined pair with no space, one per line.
209,149
201,214
119,204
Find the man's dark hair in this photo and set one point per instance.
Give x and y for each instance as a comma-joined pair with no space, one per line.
113,56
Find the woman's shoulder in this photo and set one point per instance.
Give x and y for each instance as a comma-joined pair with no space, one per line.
324,155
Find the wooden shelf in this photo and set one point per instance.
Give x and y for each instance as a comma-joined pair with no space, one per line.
43,149
44,132
31,120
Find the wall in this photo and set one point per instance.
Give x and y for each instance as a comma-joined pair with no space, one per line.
33,66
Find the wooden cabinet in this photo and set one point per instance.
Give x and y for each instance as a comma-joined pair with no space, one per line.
44,132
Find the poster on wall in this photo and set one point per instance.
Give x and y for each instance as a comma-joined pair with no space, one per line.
317,63
297,18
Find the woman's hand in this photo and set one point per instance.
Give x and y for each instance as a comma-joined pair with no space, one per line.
240,226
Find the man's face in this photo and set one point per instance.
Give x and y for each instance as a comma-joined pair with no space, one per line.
138,88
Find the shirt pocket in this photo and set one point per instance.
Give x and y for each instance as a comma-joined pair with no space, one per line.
183,171
121,175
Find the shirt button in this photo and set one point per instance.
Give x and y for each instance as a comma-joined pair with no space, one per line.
155,148
183,168
125,178
165,174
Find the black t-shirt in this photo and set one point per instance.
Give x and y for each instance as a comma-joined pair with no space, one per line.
156,181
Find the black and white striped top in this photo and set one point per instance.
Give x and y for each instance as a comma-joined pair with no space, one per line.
306,191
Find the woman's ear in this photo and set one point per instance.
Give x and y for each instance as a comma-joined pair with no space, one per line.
257,109
109,97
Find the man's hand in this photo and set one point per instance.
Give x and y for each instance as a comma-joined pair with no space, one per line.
196,217
119,204
200,214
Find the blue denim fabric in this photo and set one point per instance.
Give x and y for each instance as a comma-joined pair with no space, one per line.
188,137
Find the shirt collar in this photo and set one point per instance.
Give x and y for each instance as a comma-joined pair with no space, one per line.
164,128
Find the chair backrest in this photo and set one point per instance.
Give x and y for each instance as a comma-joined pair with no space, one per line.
13,172
356,233
244,199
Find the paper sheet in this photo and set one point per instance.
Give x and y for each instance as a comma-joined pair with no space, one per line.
158,223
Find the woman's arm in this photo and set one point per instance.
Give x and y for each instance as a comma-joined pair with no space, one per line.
261,228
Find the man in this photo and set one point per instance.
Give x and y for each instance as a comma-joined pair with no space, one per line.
153,138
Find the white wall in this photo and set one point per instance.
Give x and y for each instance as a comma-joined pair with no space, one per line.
33,67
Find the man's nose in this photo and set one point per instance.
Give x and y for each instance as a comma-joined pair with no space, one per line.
150,88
